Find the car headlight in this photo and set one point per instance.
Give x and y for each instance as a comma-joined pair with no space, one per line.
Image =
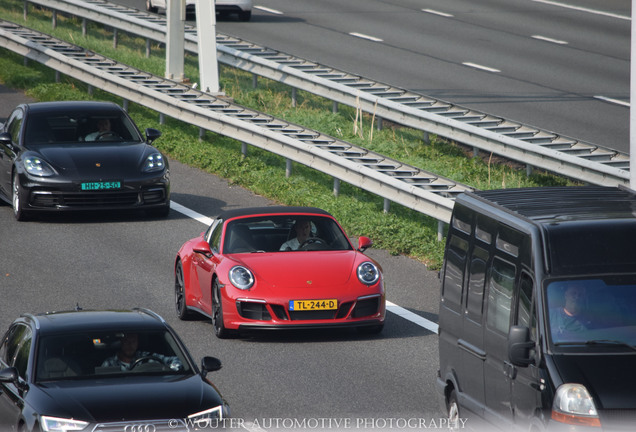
241,277
206,419
154,162
573,405
61,424
37,166
368,273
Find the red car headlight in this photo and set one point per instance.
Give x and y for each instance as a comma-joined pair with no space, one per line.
241,277
368,273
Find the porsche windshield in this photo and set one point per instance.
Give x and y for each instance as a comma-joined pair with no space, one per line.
103,353
599,312
83,129
284,233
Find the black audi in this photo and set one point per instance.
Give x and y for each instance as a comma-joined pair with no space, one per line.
103,370
80,155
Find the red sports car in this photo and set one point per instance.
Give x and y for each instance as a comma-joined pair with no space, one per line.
279,267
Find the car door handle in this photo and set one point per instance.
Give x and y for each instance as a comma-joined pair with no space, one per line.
510,370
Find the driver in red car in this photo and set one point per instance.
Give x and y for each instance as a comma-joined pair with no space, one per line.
128,356
302,228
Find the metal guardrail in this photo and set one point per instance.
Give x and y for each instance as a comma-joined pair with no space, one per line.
419,190
546,150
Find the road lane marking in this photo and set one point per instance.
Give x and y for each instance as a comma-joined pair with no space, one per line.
435,12
391,307
413,317
547,39
367,37
481,67
614,101
582,9
266,9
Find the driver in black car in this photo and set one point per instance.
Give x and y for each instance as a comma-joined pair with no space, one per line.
103,130
302,228
128,356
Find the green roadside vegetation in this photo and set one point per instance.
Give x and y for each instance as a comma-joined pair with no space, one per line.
400,231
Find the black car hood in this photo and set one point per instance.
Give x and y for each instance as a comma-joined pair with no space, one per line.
123,399
610,378
96,161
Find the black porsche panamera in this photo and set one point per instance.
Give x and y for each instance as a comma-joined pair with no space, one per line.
69,370
80,155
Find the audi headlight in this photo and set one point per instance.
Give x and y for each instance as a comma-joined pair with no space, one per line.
574,405
61,424
37,167
368,273
241,277
154,162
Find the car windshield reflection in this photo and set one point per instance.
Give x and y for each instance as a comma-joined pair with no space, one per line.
109,353
80,129
284,234
598,313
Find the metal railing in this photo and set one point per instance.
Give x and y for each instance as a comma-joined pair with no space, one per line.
419,190
538,148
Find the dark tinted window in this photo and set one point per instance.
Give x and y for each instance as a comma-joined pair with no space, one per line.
16,346
500,288
456,252
476,282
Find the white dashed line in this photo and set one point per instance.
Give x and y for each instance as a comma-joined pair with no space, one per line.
614,101
434,12
367,37
266,9
547,39
582,9
481,67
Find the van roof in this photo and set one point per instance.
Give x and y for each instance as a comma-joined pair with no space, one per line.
560,204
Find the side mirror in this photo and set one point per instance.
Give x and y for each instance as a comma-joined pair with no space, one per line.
5,138
152,134
364,243
520,346
202,247
209,364
9,375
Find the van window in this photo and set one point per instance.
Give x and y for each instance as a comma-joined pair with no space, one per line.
500,286
525,312
454,272
593,313
476,283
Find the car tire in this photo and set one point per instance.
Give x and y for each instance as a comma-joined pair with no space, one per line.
245,16
453,411
217,313
180,293
150,7
17,196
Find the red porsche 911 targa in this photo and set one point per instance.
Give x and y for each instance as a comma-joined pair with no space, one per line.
279,267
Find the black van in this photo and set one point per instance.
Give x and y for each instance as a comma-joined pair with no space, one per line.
537,319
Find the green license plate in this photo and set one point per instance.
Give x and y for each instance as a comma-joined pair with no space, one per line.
92,186
309,305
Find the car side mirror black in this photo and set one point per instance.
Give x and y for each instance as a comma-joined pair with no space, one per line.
209,364
9,375
5,138
520,346
152,134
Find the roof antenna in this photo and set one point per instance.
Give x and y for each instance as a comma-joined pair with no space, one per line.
77,307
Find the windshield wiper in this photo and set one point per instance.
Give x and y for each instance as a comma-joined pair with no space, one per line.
605,342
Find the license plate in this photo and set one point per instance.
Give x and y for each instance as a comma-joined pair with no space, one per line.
91,186
310,305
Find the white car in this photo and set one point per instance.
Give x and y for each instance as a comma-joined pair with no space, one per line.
243,8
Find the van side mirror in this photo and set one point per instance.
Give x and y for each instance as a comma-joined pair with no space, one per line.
209,364
9,375
520,346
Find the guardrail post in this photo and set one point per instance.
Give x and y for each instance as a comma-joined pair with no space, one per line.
529,169
244,149
387,205
162,118
334,107
25,10
57,76
440,230
293,97
115,37
336,186
475,152
147,48
126,103
254,80
84,27
54,19
201,134
90,90
379,123
288,168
